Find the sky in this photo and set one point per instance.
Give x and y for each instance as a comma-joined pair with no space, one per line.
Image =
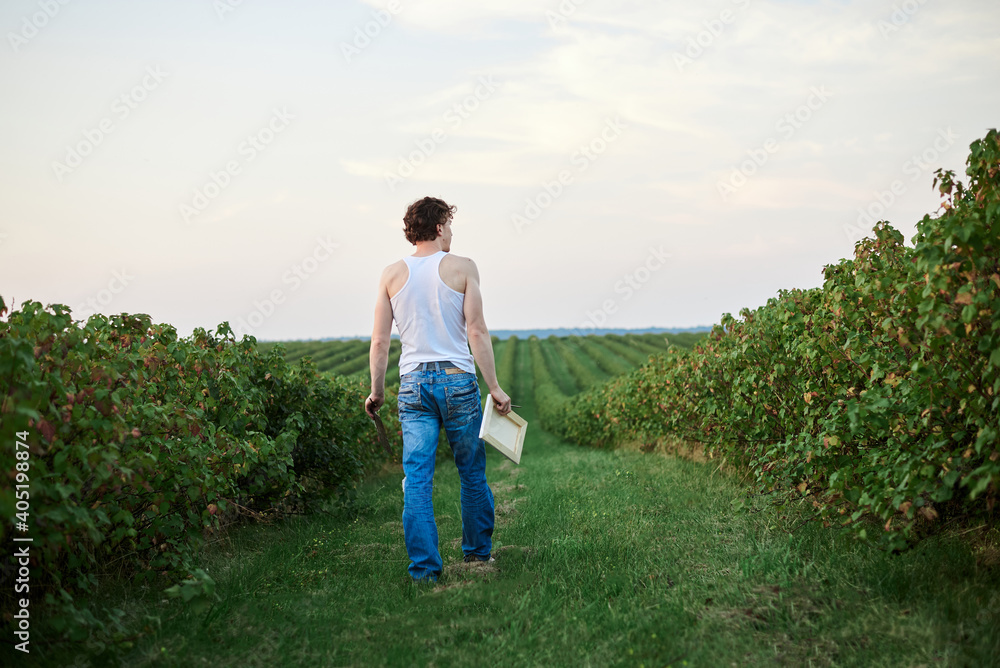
614,163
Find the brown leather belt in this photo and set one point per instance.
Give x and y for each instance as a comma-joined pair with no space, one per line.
448,367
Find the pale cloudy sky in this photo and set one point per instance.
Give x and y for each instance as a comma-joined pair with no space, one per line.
614,162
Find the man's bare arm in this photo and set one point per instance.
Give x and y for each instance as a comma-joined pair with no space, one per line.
378,355
479,339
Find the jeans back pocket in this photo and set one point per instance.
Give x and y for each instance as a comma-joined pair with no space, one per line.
462,402
408,401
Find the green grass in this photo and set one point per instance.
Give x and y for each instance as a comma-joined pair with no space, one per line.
602,558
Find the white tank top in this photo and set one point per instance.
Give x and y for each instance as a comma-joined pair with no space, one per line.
430,317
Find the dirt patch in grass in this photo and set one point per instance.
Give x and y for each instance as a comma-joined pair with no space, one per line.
452,585
670,446
506,487
985,542
460,568
512,476
520,550
988,556
507,507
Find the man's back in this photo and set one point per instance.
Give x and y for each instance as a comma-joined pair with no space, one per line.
430,316
454,271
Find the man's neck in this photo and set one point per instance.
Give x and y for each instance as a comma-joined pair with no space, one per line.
425,248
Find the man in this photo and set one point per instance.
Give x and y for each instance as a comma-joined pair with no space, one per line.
435,300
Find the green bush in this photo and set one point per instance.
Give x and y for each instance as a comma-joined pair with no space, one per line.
876,395
140,444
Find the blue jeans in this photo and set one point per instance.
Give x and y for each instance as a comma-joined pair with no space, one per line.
428,400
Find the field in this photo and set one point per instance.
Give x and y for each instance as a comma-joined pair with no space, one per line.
602,558
576,362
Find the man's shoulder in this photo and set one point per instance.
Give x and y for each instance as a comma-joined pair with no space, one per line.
393,276
459,262
457,271
394,269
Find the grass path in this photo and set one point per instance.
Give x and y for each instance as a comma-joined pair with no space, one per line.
602,558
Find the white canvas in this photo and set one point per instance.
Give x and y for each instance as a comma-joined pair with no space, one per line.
503,432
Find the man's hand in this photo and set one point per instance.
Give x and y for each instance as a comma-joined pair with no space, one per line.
500,401
373,403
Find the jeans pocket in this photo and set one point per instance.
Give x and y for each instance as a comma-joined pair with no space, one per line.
408,401
462,402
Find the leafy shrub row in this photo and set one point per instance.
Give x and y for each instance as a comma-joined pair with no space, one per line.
142,443
548,398
876,395
506,362
570,353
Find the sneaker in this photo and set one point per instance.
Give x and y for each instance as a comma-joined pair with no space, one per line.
475,557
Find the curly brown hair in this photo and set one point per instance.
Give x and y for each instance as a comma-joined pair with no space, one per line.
423,216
